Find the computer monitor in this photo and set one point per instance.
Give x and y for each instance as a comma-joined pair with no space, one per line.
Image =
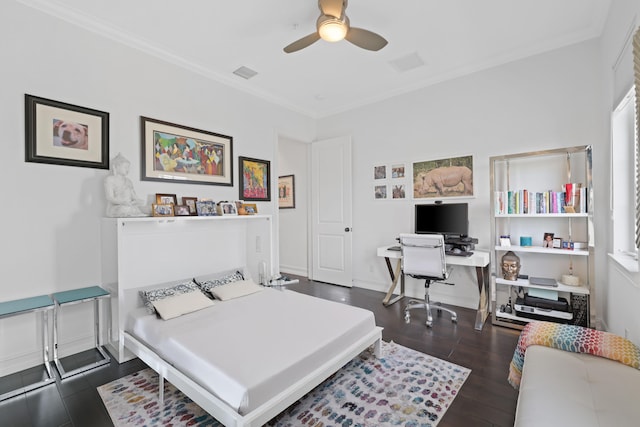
449,219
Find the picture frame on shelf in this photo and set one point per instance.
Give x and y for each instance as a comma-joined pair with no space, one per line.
547,240
206,208
191,202
182,154
250,208
557,243
286,192
162,209
181,210
166,199
255,179
227,208
64,134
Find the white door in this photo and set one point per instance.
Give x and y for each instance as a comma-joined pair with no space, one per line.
331,211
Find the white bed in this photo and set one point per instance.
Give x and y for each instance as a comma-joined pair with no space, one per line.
245,360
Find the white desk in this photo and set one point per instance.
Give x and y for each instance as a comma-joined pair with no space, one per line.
479,260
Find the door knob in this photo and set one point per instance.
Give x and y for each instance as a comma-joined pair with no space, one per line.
347,229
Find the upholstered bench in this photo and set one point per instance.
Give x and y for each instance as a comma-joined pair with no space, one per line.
572,388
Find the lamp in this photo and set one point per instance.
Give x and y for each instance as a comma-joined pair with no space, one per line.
332,29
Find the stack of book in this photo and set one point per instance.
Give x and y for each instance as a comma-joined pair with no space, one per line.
572,199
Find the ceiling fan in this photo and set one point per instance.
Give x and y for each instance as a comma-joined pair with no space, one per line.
333,25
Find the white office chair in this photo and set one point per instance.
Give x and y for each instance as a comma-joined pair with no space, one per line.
423,257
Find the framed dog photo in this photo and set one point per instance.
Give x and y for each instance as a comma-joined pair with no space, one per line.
250,208
159,209
65,134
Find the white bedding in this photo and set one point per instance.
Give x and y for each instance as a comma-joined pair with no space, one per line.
247,349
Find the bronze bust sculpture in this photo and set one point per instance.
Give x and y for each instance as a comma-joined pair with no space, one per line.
510,266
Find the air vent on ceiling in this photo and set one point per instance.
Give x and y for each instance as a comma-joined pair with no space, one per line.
406,63
245,73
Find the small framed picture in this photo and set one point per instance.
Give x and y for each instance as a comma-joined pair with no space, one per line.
286,192
181,210
250,208
505,241
166,199
547,240
227,208
557,242
206,208
161,209
191,203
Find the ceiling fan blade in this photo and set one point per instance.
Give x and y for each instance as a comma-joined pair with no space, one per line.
365,39
332,7
302,43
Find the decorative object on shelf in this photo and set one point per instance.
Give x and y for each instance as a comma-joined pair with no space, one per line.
505,241
557,242
510,266
160,209
166,199
240,207
122,200
191,202
64,134
206,208
227,208
451,177
183,154
547,240
526,241
250,208
181,210
286,192
255,179
570,280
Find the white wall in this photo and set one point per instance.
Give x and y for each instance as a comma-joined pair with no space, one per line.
620,290
293,223
51,233
547,101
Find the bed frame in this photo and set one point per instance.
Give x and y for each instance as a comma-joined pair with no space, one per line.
262,414
197,246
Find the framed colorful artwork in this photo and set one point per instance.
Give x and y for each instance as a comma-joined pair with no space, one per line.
183,154
65,134
286,192
255,179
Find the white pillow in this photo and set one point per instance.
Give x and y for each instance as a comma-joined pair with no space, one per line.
235,289
178,305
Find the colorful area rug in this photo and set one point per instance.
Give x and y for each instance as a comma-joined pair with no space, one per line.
404,388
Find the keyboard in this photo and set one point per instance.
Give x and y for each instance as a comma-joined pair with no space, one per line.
462,253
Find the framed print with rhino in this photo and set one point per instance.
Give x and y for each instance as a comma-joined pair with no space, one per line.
436,179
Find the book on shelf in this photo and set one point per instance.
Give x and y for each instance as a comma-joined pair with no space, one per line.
572,198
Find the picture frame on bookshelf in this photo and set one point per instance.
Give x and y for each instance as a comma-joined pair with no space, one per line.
206,208
547,240
166,199
162,209
191,202
181,210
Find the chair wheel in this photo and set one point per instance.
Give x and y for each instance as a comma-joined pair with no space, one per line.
454,319
407,318
429,324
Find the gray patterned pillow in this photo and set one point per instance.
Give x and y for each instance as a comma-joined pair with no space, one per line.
161,293
207,285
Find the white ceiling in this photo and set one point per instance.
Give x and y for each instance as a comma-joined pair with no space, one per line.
451,37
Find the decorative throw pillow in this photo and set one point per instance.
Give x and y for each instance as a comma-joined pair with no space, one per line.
177,305
152,295
207,285
236,289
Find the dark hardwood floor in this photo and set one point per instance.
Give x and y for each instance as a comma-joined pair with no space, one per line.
486,399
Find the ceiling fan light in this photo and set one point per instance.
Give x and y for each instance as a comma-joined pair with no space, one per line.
332,30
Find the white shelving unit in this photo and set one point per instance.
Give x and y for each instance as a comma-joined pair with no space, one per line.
138,252
543,171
